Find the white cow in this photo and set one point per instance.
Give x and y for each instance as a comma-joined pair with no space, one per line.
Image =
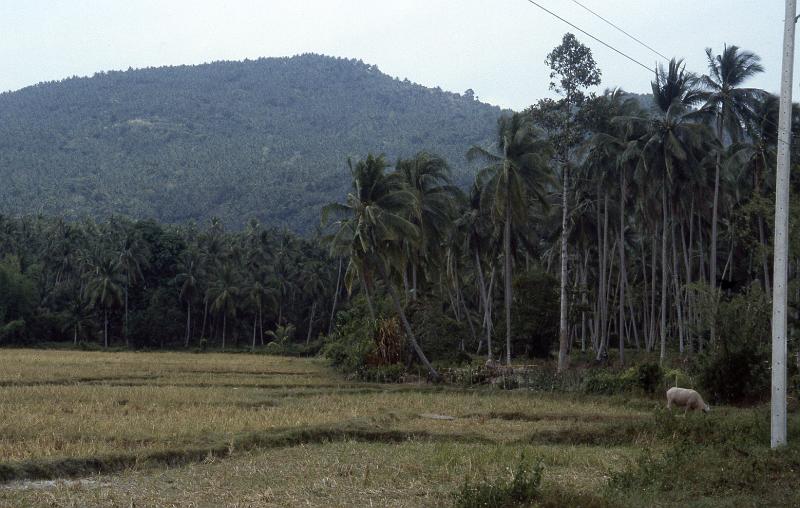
687,399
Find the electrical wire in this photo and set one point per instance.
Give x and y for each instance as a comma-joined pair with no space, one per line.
576,27
621,30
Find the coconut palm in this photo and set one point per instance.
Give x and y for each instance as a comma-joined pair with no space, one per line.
672,145
732,107
223,294
513,179
104,289
374,226
190,272
427,178
132,256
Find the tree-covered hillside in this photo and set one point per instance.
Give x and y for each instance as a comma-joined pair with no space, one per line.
267,139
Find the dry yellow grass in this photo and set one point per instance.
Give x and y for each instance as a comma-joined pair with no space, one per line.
57,405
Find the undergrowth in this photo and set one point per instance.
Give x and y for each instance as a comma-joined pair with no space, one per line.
520,488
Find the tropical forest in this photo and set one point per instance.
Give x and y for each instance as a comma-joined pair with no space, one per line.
304,273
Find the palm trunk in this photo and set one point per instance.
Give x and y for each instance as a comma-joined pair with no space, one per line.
75,336
205,316
335,297
311,322
366,293
255,328
663,330
125,327
409,333
563,340
224,323
483,292
105,328
623,273
414,282
507,256
188,323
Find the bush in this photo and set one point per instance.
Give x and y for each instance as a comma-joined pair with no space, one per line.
439,335
521,488
535,309
610,383
736,367
649,377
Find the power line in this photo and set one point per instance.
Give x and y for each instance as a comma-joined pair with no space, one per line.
612,47
609,46
621,30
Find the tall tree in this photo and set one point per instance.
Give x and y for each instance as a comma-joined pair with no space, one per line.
510,183
373,223
732,107
573,69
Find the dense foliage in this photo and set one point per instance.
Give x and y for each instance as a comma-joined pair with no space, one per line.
653,214
264,139
143,284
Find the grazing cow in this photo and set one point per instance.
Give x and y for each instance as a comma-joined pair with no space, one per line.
687,399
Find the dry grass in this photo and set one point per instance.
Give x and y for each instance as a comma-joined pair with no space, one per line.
343,474
255,430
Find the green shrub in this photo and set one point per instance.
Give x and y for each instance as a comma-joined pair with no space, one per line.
608,383
535,311
273,348
649,377
736,367
438,334
383,373
521,488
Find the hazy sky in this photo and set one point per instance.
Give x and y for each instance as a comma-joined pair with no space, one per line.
496,47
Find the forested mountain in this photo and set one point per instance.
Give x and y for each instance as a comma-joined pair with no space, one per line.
266,139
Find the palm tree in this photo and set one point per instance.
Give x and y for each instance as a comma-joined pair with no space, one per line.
673,143
427,177
732,106
132,256
190,272
475,223
223,294
374,227
103,290
613,150
510,183
314,285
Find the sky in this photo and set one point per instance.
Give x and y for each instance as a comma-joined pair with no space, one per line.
495,47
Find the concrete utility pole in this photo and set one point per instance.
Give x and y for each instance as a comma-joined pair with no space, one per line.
778,421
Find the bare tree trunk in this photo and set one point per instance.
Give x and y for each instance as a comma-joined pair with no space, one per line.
335,297
414,282
563,344
125,326
205,316
260,325
224,323
311,322
188,323
622,270
713,255
676,282
255,329
663,352
507,276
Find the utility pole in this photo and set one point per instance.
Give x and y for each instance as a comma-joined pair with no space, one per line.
779,291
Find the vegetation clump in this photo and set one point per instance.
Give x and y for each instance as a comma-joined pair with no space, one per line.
522,487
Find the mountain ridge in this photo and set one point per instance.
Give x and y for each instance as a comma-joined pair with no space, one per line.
266,138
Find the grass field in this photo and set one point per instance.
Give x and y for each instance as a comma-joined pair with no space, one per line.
143,429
